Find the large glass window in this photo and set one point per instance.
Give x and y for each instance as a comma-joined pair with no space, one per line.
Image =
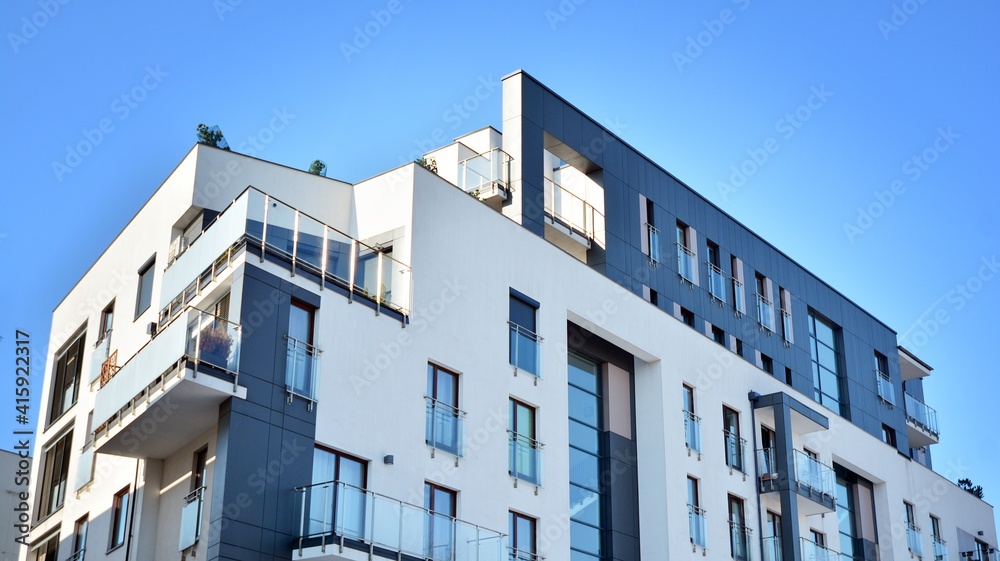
734,442
696,514
440,522
824,346
443,416
303,356
524,339
739,533
522,537
586,498
119,518
341,504
66,379
55,469
524,449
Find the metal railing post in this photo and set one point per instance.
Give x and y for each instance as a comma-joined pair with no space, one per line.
295,241
354,258
323,261
378,283
263,233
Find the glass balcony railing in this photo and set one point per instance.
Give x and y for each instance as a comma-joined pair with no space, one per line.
522,555
739,298
191,516
716,282
886,391
812,551
921,415
290,236
77,555
914,540
735,451
981,553
653,236
686,263
692,431
809,472
103,362
525,458
767,465
940,550
445,425
739,541
696,525
333,510
301,368
573,212
772,548
765,313
525,350
786,326
485,174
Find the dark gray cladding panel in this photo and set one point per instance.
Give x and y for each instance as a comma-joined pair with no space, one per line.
627,174
593,346
265,444
621,481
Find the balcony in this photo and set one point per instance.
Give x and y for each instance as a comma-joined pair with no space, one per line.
739,298
257,224
525,350
696,526
921,423
914,540
739,541
571,218
522,555
813,477
338,513
786,327
525,458
445,424
735,452
486,176
716,283
911,367
653,237
692,432
179,377
811,551
940,549
686,264
813,482
191,516
301,368
886,391
765,313
767,470
772,548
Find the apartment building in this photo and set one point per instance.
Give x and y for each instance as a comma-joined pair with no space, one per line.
548,348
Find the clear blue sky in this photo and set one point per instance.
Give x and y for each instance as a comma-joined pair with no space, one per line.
700,87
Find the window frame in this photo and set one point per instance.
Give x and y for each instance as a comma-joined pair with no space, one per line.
147,268
57,392
62,447
118,533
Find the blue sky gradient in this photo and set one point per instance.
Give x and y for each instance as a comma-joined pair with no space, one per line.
860,139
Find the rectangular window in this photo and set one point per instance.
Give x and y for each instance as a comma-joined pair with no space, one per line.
144,292
824,346
785,303
739,296
766,364
80,536
55,469
439,535
444,418
739,347
765,307
49,551
586,498
303,357
66,377
686,257
107,320
521,529
734,443
886,390
888,435
650,234
199,474
719,336
936,529
766,458
716,278
696,514
339,483
524,449
913,538
524,339
119,518
739,533
692,423
687,316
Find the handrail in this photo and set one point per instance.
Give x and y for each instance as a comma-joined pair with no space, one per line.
438,404
524,331
549,204
516,436
921,414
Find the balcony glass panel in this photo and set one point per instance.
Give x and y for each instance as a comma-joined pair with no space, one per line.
654,242
786,326
191,518
444,426
735,447
811,551
692,431
921,415
940,550
716,282
739,536
301,367
810,472
309,244
481,173
524,349
685,263
765,313
280,234
338,256
767,465
525,458
886,390
739,298
914,541
214,341
571,210
331,509
772,549
696,525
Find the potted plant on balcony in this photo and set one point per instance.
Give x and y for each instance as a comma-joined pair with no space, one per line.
215,345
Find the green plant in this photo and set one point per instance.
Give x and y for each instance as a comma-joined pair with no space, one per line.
428,163
976,490
318,167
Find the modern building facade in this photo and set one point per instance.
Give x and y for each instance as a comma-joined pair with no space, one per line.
548,348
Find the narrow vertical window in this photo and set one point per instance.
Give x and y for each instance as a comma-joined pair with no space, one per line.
144,292
443,430
524,449
521,529
440,504
739,533
696,514
303,356
524,339
734,443
119,518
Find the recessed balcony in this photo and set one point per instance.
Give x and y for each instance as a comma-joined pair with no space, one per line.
170,389
571,222
813,481
921,423
335,516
